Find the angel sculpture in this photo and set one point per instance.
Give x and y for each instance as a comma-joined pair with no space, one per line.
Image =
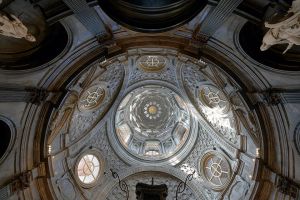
285,32
13,27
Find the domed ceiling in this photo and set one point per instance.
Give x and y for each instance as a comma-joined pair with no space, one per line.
111,99
149,112
152,122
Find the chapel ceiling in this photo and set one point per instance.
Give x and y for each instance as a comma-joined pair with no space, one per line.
153,110
110,100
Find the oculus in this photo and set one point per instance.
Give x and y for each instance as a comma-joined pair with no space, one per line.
152,122
216,170
88,169
214,98
152,63
91,98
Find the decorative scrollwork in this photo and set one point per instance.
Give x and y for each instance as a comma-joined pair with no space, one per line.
182,185
122,184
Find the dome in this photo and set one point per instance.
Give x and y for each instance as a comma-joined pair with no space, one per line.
152,122
149,99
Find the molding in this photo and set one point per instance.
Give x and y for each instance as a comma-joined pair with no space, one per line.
13,134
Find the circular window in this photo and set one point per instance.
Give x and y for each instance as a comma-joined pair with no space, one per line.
152,63
214,98
88,169
216,170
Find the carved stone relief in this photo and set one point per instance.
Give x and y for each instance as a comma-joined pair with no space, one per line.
203,143
66,188
96,99
238,190
211,102
63,117
100,141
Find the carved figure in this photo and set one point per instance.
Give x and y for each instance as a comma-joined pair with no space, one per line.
11,26
284,32
63,118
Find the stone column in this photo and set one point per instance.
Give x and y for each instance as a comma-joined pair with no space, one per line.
88,17
216,18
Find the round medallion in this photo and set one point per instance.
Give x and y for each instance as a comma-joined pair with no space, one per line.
216,170
91,98
214,98
152,63
152,122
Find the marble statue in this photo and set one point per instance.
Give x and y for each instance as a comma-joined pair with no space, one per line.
13,27
285,32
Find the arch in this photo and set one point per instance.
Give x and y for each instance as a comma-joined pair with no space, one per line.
8,134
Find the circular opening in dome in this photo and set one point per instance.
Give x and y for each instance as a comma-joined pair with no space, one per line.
216,170
5,138
152,122
88,169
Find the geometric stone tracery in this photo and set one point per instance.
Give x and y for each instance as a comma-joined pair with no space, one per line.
91,98
216,170
152,63
88,168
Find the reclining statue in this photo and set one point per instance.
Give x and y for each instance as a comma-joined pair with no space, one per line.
284,32
11,26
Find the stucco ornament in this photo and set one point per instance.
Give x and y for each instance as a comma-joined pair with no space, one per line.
287,31
63,117
11,26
